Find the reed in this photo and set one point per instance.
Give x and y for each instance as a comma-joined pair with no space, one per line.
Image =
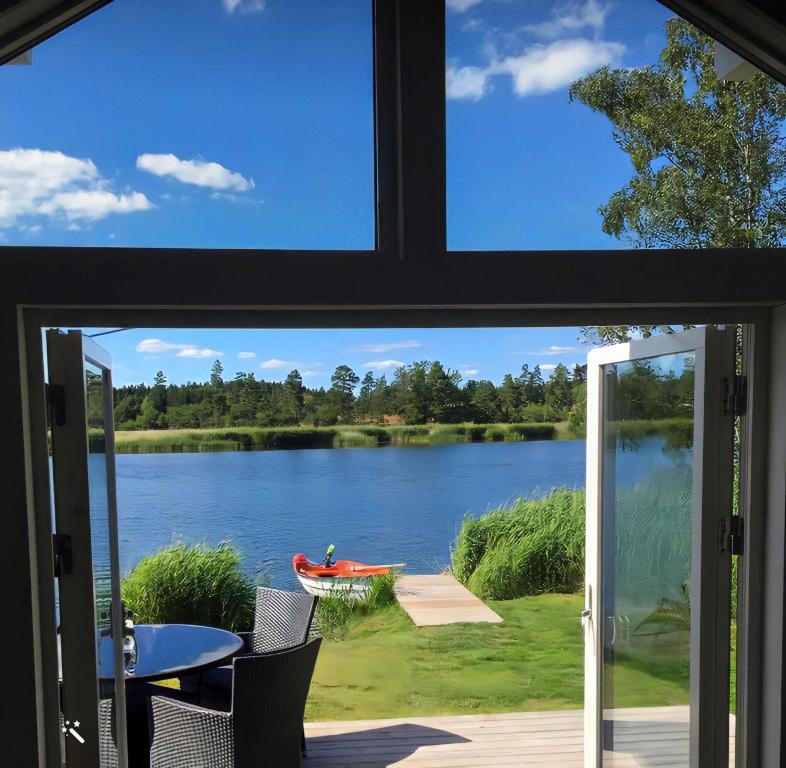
349,436
336,614
191,585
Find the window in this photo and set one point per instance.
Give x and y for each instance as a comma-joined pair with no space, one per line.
217,124
545,151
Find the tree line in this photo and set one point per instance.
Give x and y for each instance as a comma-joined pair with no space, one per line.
420,393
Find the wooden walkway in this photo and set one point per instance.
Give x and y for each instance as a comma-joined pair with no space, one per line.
645,738
432,601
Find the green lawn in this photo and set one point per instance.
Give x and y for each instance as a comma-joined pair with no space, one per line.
532,661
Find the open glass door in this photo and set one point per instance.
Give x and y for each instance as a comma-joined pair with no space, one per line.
93,714
658,565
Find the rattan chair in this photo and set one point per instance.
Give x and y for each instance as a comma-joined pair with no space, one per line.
281,620
262,729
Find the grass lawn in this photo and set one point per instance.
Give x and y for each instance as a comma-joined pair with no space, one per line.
533,661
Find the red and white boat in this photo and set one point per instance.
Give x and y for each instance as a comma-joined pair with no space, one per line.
346,578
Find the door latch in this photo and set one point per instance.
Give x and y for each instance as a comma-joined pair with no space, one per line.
63,554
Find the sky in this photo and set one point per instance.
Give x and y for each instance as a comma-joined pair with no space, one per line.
248,124
477,353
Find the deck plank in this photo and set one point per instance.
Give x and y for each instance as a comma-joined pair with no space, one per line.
654,737
436,600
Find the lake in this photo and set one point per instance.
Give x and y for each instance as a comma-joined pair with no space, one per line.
375,504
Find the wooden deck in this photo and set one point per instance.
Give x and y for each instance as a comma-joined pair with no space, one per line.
645,737
432,601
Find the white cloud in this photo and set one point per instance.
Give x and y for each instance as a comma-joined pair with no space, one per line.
388,346
274,362
92,204
461,5
470,83
244,6
382,365
158,347
246,355
310,374
201,173
197,352
469,371
38,182
571,17
545,68
548,366
555,349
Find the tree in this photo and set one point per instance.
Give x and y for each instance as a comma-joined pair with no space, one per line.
292,399
709,156
216,373
558,389
342,392
510,397
485,403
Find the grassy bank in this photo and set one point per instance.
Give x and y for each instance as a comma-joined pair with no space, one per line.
533,661
351,436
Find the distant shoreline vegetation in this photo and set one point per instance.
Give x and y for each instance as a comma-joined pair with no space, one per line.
294,438
677,433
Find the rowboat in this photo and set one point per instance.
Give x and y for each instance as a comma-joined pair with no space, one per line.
344,578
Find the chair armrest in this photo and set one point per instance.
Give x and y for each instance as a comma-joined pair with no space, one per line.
185,735
247,638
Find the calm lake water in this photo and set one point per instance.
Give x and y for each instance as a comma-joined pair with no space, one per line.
374,504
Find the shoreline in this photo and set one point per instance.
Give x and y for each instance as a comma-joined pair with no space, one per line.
350,436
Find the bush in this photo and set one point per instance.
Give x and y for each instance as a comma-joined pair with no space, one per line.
191,585
334,614
525,549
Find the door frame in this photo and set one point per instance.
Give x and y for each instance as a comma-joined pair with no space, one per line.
32,318
711,567
67,359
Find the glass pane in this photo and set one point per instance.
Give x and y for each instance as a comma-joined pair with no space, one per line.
100,544
596,125
647,503
208,123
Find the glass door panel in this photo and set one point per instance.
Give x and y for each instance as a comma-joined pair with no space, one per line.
646,557
659,476
93,713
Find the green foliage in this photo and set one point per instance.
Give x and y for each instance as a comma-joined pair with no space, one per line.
358,436
424,392
536,546
527,548
335,614
191,585
709,156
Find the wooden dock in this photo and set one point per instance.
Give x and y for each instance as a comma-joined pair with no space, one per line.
433,601
645,737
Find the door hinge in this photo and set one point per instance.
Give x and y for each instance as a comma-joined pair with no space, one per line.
733,535
63,554
735,395
55,395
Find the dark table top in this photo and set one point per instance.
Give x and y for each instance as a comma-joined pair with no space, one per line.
169,650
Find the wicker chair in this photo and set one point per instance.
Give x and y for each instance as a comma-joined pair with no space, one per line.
262,729
281,620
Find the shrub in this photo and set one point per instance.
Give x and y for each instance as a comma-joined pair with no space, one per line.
535,546
334,614
191,585
530,547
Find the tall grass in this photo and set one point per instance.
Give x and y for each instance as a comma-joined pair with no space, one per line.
191,585
536,546
350,436
335,614
529,547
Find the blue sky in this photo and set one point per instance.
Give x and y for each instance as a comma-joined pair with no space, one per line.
248,123
478,353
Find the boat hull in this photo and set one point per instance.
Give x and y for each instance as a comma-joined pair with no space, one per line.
331,586
345,578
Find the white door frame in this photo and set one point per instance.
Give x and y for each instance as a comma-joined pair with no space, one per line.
67,355
711,560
